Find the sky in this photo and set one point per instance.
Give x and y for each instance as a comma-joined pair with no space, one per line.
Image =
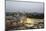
13,6
29,0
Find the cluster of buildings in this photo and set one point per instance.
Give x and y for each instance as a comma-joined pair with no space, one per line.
23,22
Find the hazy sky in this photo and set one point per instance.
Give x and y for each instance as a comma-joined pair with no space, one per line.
12,6
28,0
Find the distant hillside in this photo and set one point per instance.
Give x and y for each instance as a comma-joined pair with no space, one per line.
30,15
